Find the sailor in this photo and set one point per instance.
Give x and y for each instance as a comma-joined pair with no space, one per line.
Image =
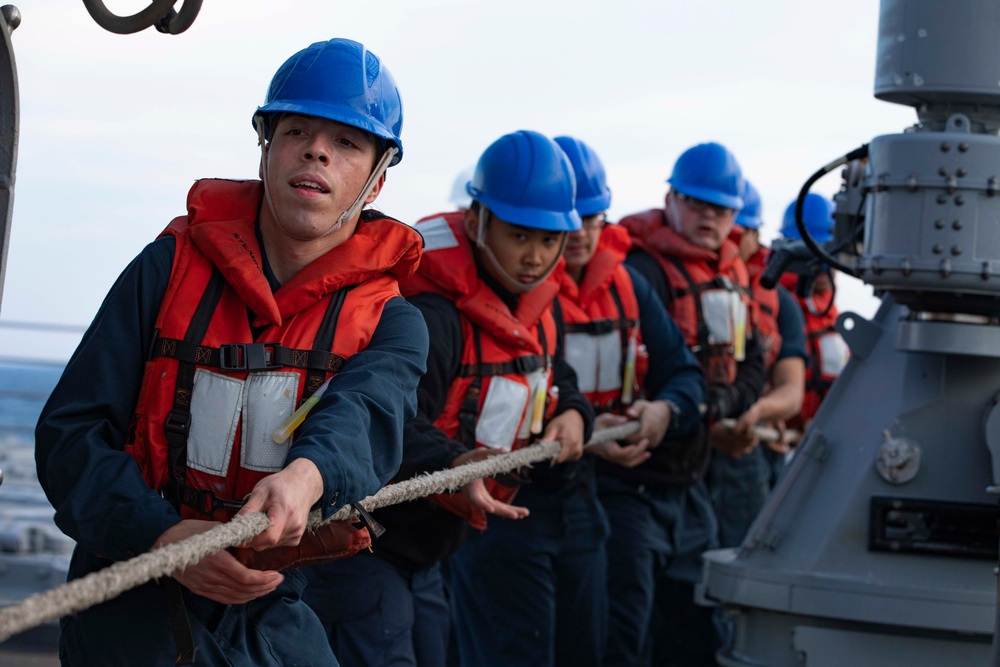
684,253
163,424
740,486
632,363
815,292
495,381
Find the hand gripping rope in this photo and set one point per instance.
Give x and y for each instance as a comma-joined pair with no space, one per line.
112,581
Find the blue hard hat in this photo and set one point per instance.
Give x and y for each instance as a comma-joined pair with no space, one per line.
592,192
709,172
749,216
526,179
817,213
338,80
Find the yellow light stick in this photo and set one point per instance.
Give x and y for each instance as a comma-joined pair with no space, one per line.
740,326
288,426
628,382
538,412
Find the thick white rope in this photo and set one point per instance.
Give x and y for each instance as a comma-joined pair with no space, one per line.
112,581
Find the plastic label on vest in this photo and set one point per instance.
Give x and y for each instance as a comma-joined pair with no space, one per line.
596,360
725,316
833,354
437,234
215,413
502,413
268,400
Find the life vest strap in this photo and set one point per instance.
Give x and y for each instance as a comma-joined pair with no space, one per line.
247,356
519,366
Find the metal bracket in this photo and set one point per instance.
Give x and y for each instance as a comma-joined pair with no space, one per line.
10,18
859,334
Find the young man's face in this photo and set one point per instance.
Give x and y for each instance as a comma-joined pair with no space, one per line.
525,254
701,223
316,168
582,244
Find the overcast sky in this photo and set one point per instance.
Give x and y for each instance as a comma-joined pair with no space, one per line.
114,129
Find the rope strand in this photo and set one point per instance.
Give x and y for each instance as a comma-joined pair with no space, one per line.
112,581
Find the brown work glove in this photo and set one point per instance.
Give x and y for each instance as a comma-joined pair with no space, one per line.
331,541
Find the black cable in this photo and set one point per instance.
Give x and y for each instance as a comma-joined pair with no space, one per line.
815,248
159,12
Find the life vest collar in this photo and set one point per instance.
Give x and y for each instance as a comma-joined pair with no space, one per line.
378,245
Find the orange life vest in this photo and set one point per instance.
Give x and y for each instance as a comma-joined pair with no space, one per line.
506,363
709,292
828,352
600,320
764,303
212,395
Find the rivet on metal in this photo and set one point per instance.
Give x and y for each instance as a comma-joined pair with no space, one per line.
955,250
963,147
939,224
962,173
938,248
942,198
945,146
959,200
956,225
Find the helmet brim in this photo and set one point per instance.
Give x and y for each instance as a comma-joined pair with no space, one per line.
339,113
711,196
593,205
553,221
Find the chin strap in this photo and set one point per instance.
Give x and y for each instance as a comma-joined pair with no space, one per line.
380,168
675,215
505,278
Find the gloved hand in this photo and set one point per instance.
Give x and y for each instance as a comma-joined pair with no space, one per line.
330,541
720,403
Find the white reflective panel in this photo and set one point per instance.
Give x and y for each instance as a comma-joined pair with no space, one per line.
268,401
215,413
834,354
437,234
581,351
718,308
502,412
610,367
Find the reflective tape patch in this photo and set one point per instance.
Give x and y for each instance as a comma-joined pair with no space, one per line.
269,400
597,360
833,353
502,413
437,234
215,413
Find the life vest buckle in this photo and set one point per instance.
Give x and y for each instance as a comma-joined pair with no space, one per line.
207,502
247,356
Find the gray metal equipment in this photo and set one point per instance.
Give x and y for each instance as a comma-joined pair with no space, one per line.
879,545
10,18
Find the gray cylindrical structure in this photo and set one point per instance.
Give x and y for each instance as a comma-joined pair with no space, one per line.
878,547
937,51
932,236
